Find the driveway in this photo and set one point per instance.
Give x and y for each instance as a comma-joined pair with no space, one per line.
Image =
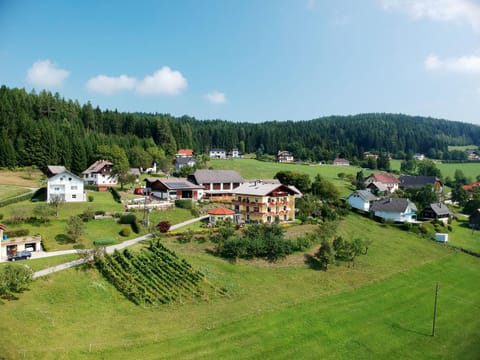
109,249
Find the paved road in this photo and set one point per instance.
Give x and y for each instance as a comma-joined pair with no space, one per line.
109,250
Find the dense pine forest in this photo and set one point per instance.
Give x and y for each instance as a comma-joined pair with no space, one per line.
44,128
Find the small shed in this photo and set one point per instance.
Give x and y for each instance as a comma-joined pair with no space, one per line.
220,214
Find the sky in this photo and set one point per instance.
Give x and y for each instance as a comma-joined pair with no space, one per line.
249,60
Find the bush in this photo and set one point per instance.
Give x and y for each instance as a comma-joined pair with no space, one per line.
17,233
195,212
116,195
163,226
100,212
127,219
1,216
184,203
126,231
90,198
87,214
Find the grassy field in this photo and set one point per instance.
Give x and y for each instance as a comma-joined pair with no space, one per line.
251,169
471,170
381,308
29,178
8,191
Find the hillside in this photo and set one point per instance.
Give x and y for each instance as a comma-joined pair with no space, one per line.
44,128
380,307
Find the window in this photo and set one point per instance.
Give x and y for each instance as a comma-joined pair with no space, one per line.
74,187
74,196
56,188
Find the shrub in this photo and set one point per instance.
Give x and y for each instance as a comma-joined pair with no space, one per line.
126,231
87,214
90,198
184,203
127,219
163,226
1,216
195,212
100,212
116,195
18,233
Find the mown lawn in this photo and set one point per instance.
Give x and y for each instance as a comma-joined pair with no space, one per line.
252,169
9,191
380,308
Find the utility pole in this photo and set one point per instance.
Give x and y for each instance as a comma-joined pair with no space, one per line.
435,311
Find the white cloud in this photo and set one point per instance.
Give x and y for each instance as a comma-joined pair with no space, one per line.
108,84
463,64
459,11
163,81
45,74
216,97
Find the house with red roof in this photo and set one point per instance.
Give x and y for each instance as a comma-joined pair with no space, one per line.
220,214
386,180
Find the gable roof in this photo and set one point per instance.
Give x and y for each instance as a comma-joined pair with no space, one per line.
52,170
410,181
262,189
203,176
470,187
221,211
185,152
66,172
341,161
174,183
380,186
365,195
384,178
439,209
397,205
97,166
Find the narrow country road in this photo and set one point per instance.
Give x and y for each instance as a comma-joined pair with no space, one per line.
109,250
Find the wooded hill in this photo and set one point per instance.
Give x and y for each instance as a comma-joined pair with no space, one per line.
44,128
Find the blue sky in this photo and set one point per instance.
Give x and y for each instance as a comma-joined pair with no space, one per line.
245,60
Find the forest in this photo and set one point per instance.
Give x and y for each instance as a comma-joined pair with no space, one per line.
42,129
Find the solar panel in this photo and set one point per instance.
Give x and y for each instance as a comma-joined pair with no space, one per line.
177,185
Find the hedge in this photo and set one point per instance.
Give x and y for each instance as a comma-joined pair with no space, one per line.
15,199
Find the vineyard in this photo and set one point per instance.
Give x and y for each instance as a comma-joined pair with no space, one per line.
152,276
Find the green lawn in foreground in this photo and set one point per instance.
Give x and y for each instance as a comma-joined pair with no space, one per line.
381,308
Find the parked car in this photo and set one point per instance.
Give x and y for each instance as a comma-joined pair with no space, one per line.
21,255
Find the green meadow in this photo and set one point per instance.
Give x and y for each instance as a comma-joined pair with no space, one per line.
382,307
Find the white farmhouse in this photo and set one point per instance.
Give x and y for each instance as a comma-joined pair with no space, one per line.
395,209
62,184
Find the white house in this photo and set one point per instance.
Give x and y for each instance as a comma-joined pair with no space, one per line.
341,162
361,200
395,209
64,185
100,174
217,153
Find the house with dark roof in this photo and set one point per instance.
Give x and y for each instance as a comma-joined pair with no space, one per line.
395,209
411,181
436,211
217,184
100,174
64,185
386,179
361,200
474,220
260,202
173,188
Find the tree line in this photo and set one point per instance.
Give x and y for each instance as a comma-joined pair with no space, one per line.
44,129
